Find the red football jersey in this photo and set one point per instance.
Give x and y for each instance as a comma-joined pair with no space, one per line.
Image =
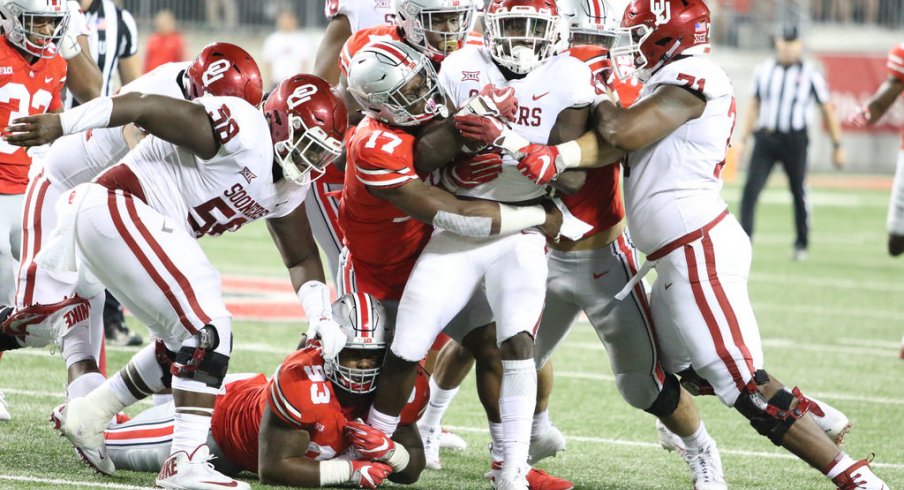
25,90
380,237
300,394
599,202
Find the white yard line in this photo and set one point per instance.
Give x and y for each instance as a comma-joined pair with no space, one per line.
71,483
646,444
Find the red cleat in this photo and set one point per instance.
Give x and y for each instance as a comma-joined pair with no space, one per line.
541,480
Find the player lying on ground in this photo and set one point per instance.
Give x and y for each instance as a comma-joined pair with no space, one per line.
208,167
298,428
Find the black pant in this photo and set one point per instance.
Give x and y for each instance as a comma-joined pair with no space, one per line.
791,150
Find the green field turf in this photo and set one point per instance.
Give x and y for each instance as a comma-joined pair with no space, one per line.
831,325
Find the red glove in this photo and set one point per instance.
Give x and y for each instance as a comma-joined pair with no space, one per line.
859,119
504,99
370,442
539,164
472,170
368,474
479,129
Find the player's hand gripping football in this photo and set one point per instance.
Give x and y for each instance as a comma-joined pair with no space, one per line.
469,171
503,98
375,445
33,130
369,474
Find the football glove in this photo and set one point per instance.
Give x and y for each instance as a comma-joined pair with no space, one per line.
539,164
469,171
368,474
374,444
483,130
503,98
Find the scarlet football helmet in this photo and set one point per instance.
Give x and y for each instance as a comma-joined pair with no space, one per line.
20,19
307,119
363,320
654,32
522,34
224,69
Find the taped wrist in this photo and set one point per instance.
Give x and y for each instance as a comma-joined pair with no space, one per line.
569,156
399,458
479,105
91,115
69,47
511,142
335,472
474,226
315,299
517,218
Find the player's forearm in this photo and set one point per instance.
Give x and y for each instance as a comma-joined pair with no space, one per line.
437,145
883,99
830,117
83,77
753,113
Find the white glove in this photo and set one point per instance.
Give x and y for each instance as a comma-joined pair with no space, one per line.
315,299
78,26
69,46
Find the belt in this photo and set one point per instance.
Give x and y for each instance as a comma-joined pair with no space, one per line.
667,249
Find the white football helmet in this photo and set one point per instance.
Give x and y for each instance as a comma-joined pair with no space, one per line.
363,320
590,22
21,20
522,34
446,21
396,84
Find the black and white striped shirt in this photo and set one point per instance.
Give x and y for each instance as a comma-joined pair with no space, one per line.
786,93
113,36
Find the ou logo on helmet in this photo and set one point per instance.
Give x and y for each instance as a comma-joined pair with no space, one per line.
215,71
662,9
301,94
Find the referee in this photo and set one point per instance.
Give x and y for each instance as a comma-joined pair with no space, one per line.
784,89
113,43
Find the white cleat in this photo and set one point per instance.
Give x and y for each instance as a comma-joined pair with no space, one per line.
859,477
706,467
84,426
500,480
669,440
194,472
451,440
41,325
834,423
431,437
546,444
4,409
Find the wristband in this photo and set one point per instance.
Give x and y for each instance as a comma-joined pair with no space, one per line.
836,144
511,142
91,115
335,472
517,218
569,156
315,299
399,458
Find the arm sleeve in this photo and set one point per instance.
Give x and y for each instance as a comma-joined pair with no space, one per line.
820,86
895,63
129,46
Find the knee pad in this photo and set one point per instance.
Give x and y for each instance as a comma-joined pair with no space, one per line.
695,384
200,362
667,401
771,418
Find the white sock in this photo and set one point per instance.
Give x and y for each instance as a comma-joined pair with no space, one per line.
540,424
842,462
440,400
161,399
189,431
84,384
700,438
118,386
497,437
379,420
106,398
517,399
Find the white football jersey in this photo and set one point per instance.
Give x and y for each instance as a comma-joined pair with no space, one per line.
674,185
361,14
560,83
166,80
223,193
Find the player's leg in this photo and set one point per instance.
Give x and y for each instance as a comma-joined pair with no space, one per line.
443,280
453,362
895,221
10,238
705,320
516,288
322,208
794,161
143,443
761,162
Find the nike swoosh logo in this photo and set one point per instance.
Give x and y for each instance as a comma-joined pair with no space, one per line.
538,97
231,484
601,274
50,79
382,447
668,285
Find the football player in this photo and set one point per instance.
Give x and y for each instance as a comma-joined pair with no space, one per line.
298,428
221,69
675,138
209,166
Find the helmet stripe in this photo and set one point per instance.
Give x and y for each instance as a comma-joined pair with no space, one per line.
362,303
393,53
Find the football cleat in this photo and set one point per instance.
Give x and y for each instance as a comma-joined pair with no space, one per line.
535,479
84,426
705,465
859,476
40,325
451,440
834,423
194,472
669,440
431,437
4,409
546,444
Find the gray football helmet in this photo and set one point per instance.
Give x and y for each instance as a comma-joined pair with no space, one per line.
21,21
446,20
363,320
590,22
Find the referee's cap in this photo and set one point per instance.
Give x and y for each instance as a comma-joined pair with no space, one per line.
788,32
